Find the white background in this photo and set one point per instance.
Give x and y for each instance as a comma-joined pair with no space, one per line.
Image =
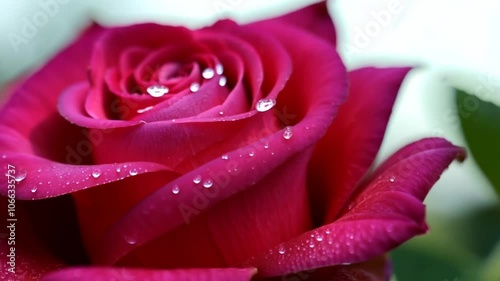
453,43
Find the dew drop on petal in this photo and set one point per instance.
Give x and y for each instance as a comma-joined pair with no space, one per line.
266,145
251,153
219,69
34,189
197,179
118,169
208,73
319,237
288,133
264,105
281,249
96,174
208,184
133,172
157,91
225,157
221,112
195,86
144,109
175,189
392,179
21,175
327,231
222,81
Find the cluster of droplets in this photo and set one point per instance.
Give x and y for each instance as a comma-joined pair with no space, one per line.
158,90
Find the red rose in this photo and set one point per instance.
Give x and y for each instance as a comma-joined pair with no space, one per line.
213,154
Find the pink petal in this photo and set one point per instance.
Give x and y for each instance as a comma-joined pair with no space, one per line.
383,215
275,209
314,19
45,235
374,270
312,105
347,151
127,274
39,178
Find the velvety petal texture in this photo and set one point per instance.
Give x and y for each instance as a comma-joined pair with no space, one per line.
124,274
384,213
349,148
222,153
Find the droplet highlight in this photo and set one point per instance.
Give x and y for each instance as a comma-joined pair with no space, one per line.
281,249
208,184
133,172
208,73
195,86
225,157
21,176
264,105
157,91
197,179
219,69
288,132
222,81
175,189
96,174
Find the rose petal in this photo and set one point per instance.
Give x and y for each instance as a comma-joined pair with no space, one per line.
374,270
313,18
39,178
314,105
382,216
413,169
126,274
275,209
349,148
45,234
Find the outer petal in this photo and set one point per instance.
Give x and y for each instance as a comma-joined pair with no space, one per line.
345,154
45,235
314,19
378,269
124,274
276,209
383,215
29,121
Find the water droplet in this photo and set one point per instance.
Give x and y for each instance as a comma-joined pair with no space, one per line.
251,153
175,189
266,145
133,172
265,104
327,231
281,249
288,133
311,245
319,237
131,240
208,183
197,179
225,157
208,73
144,109
219,69
21,175
118,169
392,179
34,189
221,112
157,90
222,81
96,174
195,86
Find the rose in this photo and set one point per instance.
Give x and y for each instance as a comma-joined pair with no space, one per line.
218,148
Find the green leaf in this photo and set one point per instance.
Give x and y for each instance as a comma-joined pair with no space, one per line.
481,126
